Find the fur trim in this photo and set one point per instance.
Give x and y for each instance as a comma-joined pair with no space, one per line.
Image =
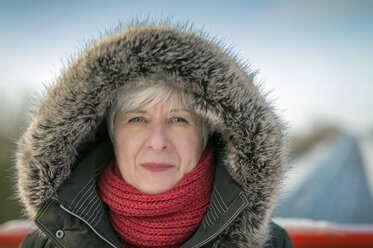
222,90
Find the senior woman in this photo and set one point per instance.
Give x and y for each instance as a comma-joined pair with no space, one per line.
152,137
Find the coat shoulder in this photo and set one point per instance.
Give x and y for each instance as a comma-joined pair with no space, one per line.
279,237
37,239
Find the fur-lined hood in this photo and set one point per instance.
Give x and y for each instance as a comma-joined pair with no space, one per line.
223,91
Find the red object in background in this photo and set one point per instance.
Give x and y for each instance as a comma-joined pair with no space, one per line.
307,233
312,234
11,240
13,232
332,238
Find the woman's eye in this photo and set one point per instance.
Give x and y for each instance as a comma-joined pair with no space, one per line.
136,120
179,120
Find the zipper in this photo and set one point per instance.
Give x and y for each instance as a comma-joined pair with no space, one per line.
93,229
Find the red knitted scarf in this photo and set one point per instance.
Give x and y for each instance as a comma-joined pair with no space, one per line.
164,220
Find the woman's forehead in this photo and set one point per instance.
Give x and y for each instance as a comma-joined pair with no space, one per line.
173,104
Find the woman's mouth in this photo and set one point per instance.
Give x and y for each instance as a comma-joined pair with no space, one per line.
156,167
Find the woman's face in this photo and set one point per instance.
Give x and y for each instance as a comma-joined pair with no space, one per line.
156,147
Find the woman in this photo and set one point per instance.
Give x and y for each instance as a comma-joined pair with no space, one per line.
153,137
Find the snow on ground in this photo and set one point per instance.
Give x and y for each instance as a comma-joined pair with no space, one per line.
13,226
300,224
366,148
333,181
304,224
303,167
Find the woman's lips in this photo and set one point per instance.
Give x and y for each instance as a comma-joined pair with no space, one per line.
156,167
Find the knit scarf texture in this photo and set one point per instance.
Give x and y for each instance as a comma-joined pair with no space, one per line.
164,220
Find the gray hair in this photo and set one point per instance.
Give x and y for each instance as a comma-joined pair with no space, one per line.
151,91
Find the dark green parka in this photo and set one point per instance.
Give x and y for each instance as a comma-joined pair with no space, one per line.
66,146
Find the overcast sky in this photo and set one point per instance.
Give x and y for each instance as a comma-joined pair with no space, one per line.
315,56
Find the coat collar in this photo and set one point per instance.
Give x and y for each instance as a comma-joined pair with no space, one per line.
227,202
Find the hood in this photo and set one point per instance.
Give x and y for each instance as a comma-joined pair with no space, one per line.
69,119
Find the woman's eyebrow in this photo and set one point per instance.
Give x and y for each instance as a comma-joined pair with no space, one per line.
180,110
142,111
137,111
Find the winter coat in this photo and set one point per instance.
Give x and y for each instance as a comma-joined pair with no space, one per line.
66,146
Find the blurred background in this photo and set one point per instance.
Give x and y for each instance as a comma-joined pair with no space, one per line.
314,57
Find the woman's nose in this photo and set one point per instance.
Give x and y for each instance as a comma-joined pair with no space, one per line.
157,139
